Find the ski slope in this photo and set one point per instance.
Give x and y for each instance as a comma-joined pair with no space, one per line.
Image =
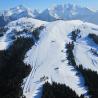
48,57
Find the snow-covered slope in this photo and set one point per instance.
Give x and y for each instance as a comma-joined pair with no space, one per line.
48,57
26,23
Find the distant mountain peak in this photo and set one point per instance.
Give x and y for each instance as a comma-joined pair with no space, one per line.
68,12
16,13
56,12
20,9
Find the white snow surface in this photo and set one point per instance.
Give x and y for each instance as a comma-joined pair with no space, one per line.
26,23
69,12
4,41
50,53
19,12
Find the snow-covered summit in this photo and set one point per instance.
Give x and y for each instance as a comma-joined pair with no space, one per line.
20,11
26,23
68,12
64,12
15,13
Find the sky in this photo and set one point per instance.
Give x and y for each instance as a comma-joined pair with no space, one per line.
43,4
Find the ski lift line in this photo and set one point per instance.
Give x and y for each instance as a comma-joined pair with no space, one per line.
34,71
32,75
27,81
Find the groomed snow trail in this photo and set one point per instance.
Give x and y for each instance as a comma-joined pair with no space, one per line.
48,57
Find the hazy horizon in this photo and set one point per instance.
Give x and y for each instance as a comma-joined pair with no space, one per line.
41,5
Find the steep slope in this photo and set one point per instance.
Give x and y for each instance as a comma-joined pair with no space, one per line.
48,57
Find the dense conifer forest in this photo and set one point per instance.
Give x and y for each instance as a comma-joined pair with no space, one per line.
56,90
12,68
94,37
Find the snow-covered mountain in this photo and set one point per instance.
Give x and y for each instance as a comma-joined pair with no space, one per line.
64,12
69,12
20,11
16,13
48,57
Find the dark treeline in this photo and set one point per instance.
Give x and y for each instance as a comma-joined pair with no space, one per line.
36,32
70,55
12,68
56,90
91,78
94,52
75,34
2,31
3,22
94,37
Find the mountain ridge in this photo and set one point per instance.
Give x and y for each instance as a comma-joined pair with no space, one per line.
64,12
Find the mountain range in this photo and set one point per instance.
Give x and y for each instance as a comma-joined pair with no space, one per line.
57,12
